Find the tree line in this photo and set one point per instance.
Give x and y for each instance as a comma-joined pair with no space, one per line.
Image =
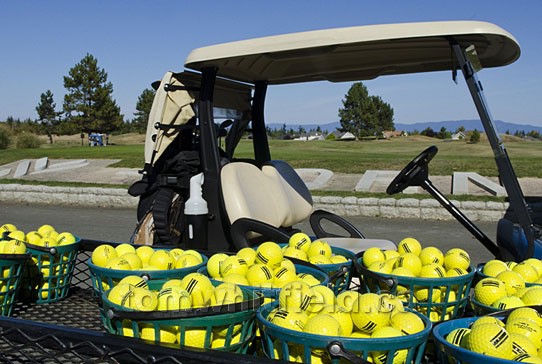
88,106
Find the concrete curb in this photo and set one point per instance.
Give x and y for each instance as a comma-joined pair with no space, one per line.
80,196
427,209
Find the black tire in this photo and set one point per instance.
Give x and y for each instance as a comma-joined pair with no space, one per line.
167,208
145,205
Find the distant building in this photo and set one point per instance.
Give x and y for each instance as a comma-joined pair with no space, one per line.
310,137
458,136
338,135
347,136
316,136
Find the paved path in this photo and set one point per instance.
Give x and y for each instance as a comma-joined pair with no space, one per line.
117,225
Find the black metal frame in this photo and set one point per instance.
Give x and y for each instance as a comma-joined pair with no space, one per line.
261,144
35,342
210,163
416,173
506,171
218,239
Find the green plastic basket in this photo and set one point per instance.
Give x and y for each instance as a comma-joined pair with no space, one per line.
234,323
47,277
12,268
340,274
273,293
104,278
448,353
281,343
479,276
481,309
438,308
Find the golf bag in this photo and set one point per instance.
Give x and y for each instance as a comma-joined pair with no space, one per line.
178,146
171,159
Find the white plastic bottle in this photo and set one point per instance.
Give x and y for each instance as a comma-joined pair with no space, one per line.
196,213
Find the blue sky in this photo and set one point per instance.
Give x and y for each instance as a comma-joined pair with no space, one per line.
137,41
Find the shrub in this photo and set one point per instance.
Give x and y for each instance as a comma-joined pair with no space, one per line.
5,138
475,136
28,141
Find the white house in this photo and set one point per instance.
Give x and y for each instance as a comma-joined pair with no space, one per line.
458,136
315,136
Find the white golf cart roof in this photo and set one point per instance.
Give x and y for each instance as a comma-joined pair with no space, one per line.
355,53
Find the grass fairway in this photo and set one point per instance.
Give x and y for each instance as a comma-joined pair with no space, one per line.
339,157
358,156
130,155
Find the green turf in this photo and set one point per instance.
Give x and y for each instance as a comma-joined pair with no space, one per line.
359,156
339,157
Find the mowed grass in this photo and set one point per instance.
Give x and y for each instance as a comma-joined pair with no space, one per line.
360,156
129,155
340,157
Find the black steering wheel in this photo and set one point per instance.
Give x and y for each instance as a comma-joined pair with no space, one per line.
414,173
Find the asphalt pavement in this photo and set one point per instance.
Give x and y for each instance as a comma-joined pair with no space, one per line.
117,225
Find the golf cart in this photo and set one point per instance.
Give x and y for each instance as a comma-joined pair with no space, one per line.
222,95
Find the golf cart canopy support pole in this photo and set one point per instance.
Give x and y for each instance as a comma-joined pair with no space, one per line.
506,171
209,158
261,144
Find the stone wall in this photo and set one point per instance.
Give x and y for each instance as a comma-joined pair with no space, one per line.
344,206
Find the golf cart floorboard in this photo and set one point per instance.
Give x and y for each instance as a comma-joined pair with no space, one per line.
79,310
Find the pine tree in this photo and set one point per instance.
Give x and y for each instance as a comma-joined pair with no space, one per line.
364,115
143,107
88,102
47,115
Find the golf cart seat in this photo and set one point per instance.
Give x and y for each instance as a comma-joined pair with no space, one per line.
250,193
266,203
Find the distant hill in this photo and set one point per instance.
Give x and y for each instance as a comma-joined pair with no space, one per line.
502,126
451,125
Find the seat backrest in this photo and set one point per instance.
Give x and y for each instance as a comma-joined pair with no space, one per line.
274,194
297,195
249,193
